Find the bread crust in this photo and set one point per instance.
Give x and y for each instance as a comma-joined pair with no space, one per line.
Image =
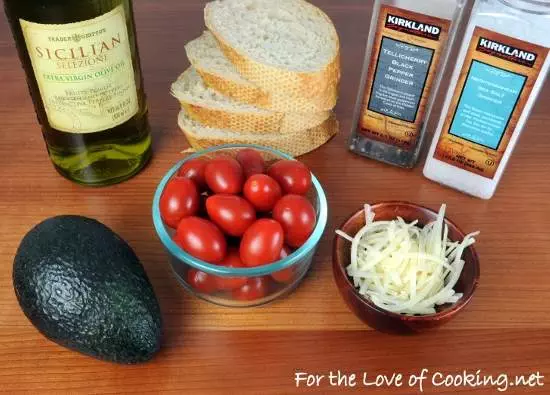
320,85
264,122
295,144
253,95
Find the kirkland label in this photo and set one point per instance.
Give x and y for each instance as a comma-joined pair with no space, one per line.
84,72
413,27
497,79
407,50
506,52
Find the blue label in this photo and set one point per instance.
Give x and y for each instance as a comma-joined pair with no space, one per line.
400,78
486,105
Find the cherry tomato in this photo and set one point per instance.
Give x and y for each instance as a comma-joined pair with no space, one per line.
251,162
179,199
231,213
255,288
262,191
232,260
262,243
201,281
297,216
194,170
202,239
287,275
293,176
224,175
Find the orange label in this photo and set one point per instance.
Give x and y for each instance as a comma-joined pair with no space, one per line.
493,88
407,50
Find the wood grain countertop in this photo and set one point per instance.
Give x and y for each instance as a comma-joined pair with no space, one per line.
209,349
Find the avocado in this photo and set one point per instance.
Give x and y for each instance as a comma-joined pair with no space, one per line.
84,288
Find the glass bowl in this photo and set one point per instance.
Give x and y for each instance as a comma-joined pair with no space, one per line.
294,267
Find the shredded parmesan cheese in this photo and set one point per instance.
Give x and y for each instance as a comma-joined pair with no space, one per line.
406,269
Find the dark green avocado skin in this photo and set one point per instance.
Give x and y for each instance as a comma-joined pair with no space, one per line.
84,288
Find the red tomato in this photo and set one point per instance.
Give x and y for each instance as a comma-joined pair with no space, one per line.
262,191
179,199
224,175
255,288
262,243
293,176
194,170
232,260
251,162
201,281
231,213
286,275
297,216
202,239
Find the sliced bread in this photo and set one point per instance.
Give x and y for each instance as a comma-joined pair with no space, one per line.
295,144
285,46
219,73
212,109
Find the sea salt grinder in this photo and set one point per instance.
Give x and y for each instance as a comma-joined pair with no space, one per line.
499,73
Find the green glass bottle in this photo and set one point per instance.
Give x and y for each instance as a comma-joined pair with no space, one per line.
84,76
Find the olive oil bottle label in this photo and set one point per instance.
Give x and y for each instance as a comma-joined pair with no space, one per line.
406,52
495,83
84,72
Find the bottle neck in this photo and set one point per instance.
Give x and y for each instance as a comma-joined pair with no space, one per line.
537,7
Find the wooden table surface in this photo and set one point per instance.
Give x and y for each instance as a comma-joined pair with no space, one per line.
209,349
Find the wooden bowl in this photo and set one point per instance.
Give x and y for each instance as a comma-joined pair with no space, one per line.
383,320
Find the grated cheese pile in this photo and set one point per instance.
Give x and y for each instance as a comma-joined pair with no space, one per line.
406,269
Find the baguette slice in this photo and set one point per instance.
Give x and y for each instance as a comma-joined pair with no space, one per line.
218,72
214,110
295,144
285,46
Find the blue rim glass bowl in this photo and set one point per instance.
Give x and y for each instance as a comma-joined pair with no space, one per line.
300,260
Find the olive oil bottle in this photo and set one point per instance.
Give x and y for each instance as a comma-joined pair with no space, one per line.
84,76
